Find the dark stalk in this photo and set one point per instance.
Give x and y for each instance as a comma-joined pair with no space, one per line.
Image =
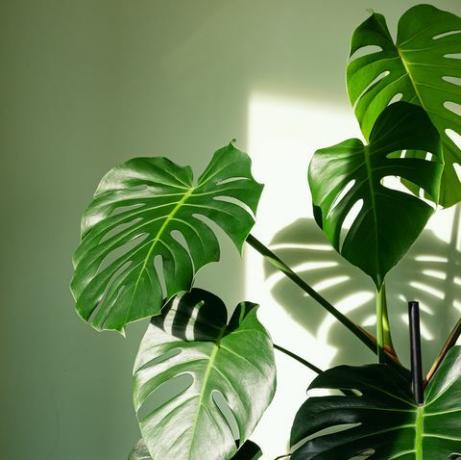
311,366
359,332
415,345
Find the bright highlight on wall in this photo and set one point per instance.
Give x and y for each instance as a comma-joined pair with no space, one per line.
283,135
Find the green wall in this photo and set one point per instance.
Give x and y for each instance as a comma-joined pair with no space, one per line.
85,84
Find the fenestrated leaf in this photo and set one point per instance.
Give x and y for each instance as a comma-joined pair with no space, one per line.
249,451
382,421
232,359
423,67
348,173
151,208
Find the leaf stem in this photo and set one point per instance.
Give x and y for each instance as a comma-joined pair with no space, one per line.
289,353
383,327
368,339
450,342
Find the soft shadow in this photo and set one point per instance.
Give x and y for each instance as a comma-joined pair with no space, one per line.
426,274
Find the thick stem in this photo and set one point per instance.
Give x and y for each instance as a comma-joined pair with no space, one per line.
383,327
289,353
359,332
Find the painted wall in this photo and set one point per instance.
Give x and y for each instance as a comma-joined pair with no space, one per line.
85,85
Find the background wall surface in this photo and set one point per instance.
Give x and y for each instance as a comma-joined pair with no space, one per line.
87,84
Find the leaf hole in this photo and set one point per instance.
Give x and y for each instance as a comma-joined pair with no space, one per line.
159,270
226,412
365,51
454,137
453,107
236,202
453,80
180,238
163,394
119,229
170,354
341,195
229,180
457,168
373,83
349,220
446,34
453,56
401,185
396,98
119,252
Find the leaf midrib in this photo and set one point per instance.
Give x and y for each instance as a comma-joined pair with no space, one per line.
157,237
366,154
419,433
206,377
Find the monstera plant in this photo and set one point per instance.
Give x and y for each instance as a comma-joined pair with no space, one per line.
205,373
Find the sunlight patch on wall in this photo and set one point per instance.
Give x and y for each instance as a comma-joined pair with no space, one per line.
283,134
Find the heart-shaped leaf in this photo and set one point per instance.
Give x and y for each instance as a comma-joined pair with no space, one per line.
423,67
382,421
230,370
350,174
146,233
249,451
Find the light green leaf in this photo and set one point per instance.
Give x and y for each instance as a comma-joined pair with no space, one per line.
350,173
423,67
381,421
231,362
151,209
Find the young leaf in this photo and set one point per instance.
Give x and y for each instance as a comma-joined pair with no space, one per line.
228,361
382,421
422,67
149,209
348,173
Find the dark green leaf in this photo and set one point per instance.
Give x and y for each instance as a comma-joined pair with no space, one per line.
249,451
149,209
228,361
382,421
389,220
423,67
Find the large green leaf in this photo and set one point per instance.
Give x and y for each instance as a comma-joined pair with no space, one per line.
381,421
151,209
351,173
249,451
228,361
423,67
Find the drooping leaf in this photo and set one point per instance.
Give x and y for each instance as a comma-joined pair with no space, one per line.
351,173
249,451
151,209
423,67
225,361
381,421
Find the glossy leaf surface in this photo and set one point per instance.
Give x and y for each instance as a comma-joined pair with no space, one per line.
381,421
351,173
147,233
228,361
422,67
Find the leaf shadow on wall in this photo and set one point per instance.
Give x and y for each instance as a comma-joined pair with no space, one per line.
428,274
